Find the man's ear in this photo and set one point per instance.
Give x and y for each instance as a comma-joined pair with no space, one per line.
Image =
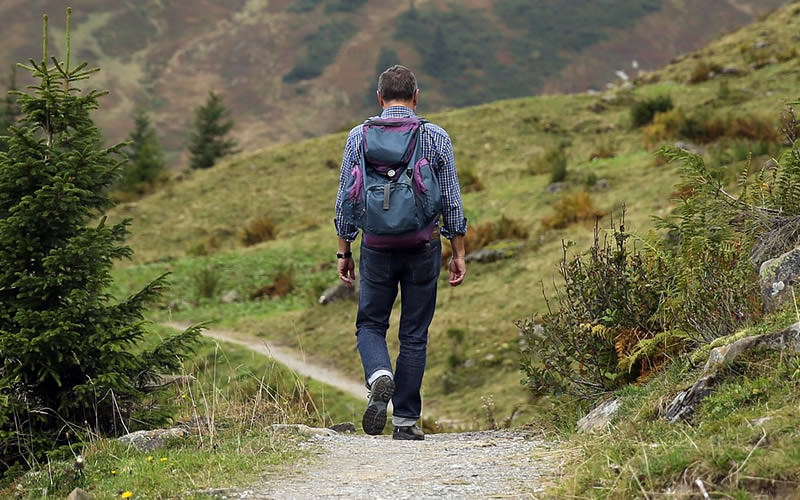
414,99
380,99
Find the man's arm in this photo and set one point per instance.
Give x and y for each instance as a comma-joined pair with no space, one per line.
458,266
346,265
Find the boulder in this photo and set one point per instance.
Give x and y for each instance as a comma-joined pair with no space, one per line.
152,440
556,187
339,291
344,428
303,429
497,251
685,403
778,275
230,297
599,418
79,494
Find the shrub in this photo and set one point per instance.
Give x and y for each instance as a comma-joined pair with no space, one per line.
469,180
207,282
608,304
643,112
282,285
572,208
482,235
603,149
259,230
702,71
557,160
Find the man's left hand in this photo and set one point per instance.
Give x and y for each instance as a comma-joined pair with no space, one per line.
347,270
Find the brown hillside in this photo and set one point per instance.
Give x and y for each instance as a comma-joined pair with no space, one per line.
166,56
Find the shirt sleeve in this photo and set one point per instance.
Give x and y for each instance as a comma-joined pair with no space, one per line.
350,159
454,222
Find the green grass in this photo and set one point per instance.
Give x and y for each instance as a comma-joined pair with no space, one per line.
295,186
724,444
241,394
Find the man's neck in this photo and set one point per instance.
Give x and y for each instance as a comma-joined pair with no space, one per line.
405,104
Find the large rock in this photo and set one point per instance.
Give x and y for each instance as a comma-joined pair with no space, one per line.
685,403
778,275
153,439
339,291
599,418
303,429
79,494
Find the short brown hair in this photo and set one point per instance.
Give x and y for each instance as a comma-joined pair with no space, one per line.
397,83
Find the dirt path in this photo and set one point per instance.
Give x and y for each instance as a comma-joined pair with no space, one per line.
292,359
472,465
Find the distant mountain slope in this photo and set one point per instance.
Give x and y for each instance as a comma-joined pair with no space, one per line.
297,68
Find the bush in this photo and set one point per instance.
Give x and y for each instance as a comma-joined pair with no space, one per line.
482,235
643,112
259,230
572,208
607,306
207,282
469,180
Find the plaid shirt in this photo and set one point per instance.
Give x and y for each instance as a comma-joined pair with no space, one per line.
436,147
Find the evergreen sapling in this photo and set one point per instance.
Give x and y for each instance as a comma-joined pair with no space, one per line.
67,358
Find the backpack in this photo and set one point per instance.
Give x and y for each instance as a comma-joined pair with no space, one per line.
393,194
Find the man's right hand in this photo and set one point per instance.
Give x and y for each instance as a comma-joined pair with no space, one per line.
458,270
347,270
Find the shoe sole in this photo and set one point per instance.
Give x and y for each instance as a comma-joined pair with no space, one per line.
374,419
401,437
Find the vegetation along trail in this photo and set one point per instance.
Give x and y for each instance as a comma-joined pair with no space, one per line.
488,464
291,359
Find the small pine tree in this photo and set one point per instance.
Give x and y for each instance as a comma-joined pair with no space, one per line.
68,355
209,140
9,110
145,156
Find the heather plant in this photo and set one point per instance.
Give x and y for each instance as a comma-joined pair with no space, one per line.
643,112
69,362
622,312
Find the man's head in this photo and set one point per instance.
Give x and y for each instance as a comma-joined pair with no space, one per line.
397,85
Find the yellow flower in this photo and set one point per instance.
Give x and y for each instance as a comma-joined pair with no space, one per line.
126,494
163,459
150,458
113,472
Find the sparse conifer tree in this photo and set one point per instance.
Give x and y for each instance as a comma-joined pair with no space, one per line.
209,139
68,356
145,156
9,110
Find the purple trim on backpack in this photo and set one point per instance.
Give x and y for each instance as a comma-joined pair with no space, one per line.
358,184
397,125
418,175
400,242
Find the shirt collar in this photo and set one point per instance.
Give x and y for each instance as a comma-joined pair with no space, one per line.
397,112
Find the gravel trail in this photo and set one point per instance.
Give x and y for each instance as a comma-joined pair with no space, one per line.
472,465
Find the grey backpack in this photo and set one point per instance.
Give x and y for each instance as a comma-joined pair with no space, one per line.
393,194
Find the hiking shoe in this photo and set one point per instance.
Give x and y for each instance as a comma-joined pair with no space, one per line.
408,433
380,394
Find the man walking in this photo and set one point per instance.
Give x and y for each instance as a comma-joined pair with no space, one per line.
414,268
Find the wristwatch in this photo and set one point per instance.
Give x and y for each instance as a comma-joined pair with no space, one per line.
345,255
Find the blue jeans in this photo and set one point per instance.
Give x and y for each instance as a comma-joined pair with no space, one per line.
417,273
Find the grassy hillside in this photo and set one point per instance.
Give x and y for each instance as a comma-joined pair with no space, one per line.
279,62
194,227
